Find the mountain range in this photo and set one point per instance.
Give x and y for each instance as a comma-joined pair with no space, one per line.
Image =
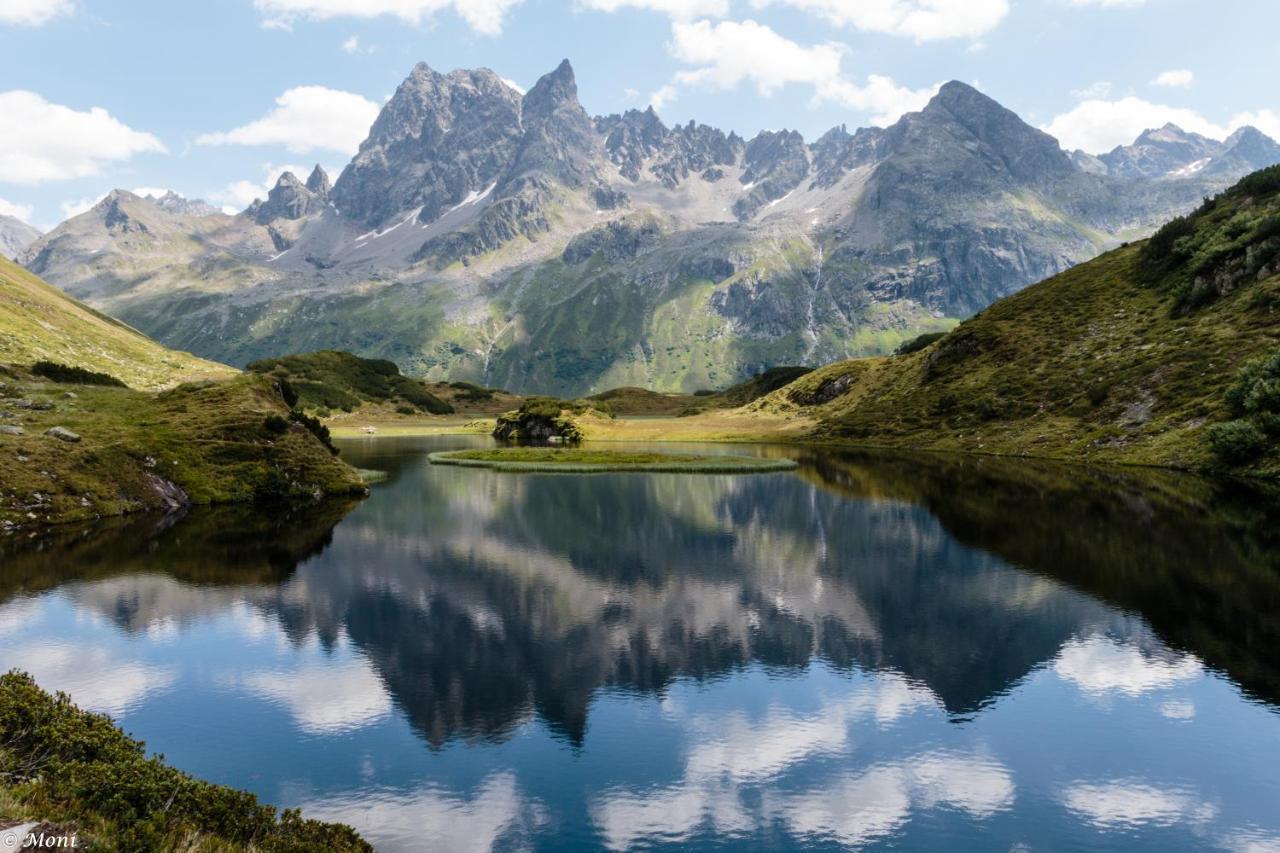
514,240
15,235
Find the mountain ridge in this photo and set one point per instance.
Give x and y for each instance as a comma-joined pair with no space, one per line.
508,239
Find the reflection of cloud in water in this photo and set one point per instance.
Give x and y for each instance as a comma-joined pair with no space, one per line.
94,677
18,615
325,698
862,807
1128,804
1178,709
1101,665
729,753
431,819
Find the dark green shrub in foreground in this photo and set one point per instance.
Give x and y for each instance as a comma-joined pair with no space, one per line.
69,375
1257,388
1237,442
87,768
316,428
275,424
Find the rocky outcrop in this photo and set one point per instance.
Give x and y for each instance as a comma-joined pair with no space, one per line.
776,163
616,241
15,235
290,198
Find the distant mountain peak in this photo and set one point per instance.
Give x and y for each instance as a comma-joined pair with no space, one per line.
318,182
553,90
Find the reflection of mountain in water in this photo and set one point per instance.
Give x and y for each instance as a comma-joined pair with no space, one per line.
482,598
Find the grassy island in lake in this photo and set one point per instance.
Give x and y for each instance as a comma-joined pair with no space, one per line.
578,461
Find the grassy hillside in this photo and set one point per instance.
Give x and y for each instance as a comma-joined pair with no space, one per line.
1140,356
40,322
330,380
206,442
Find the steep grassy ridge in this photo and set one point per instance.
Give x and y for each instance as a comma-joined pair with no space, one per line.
39,322
329,380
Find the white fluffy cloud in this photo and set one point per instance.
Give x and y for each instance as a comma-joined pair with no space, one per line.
730,53
33,13
41,142
1109,4
306,118
1177,78
680,9
1096,125
17,211
922,20
1267,121
483,16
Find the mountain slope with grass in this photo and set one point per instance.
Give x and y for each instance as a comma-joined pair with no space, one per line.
39,322
1165,352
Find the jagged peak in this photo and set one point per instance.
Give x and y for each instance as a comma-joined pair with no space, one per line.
955,97
553,89
318,181
288,179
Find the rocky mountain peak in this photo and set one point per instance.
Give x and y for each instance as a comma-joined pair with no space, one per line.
553,91
290,198
559,138
318,182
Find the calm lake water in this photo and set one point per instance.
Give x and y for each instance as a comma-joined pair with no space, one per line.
869,652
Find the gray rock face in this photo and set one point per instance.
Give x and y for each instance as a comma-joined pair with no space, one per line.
776,164
318,182
9,429
635,138
171,202
1161,152
288,199
616,241
839,152
439,139
15,235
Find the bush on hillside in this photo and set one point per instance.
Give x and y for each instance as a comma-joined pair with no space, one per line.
1237,442
68,375
919,342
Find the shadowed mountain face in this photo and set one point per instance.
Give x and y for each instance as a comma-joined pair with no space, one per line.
489,235
481,599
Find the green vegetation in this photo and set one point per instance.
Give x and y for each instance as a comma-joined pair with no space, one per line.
1111,361
203,443
578,461
329,379
919,342
75,769
766,382
73,375
539,419
41,324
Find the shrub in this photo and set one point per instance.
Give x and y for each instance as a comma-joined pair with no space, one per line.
1257,388
275,424
316,428
1098,393
69,375
704,392
919,342
288,392
406,410
1236,442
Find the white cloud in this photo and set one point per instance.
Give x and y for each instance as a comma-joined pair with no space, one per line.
1094,91
75,207
483,16
683,10
306,118
33,13
922,20
730,53
1098,126
1109,4
1178,78
41,142
17,211
238,195
351,45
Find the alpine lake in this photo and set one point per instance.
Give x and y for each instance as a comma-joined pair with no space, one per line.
868,651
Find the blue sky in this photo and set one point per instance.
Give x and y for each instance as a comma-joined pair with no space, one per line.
212,99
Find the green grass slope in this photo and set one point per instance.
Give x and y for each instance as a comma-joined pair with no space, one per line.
216,442
1165,352
39,322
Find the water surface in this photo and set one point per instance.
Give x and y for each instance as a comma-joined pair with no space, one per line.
872,651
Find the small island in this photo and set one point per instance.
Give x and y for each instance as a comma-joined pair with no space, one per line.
578,461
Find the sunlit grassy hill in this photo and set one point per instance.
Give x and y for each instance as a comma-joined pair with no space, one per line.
40,322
